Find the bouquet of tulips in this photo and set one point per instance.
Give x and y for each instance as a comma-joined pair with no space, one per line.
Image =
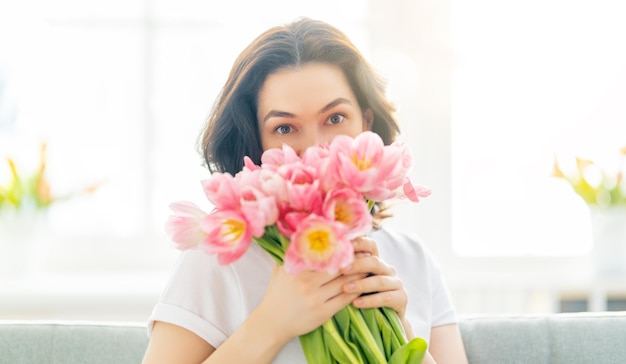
304,211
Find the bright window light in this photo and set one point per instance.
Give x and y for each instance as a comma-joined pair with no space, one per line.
535,80
119,92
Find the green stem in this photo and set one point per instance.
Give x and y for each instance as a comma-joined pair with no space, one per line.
315,350
394,321
271,243
348,356
366,340
369,315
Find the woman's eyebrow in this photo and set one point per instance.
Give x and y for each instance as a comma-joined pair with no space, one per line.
335,102
278,114
285,114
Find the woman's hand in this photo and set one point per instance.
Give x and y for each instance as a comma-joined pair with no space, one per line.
298,303
376,279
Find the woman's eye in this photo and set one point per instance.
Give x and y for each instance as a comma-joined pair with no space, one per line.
283,129
335,119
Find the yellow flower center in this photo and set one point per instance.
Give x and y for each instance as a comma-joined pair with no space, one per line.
342,214
319,241
361,163
232,230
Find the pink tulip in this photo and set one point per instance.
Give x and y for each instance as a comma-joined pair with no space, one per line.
398,161
272,184
357,161
318,157
184,225
247,178
349,208
274,158
414,192
302,186
248,164
222,191
318,244
259,209
318,202
315,156
289,221
228,235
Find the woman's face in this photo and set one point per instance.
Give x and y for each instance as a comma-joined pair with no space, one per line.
308,106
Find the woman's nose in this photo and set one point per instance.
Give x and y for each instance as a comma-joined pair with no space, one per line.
309,139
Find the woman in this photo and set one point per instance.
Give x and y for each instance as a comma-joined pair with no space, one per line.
299,84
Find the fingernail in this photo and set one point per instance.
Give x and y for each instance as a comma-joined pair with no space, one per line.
350,287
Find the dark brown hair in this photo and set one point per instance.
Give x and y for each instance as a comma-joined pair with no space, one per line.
232,129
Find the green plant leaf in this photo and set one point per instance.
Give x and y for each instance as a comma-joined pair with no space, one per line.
270,242
338,348
410,353
396,325
314,347
342,320
369,315
388,335
367,343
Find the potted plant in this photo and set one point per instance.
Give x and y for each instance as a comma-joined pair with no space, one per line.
605,194
25,198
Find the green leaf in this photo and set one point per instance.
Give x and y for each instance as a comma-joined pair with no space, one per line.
390,343
270,242
269,248
365,338
369,315
338,348
396,325
410,353
342,321
314,347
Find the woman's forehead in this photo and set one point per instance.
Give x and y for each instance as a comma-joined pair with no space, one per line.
304,86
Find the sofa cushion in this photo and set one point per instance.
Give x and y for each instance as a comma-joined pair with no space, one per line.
555,338
551,338
71,342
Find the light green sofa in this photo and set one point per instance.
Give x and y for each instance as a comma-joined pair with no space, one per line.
598,338
558,338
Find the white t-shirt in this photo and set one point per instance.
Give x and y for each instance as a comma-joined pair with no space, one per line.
213,300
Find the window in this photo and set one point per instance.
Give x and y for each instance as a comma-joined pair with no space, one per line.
534,81
119,91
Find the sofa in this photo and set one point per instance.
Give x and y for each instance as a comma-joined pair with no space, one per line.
551,338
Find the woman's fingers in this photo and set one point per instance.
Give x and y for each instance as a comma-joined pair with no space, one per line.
393,299
365,245
372,284
373,280
379,291
301,302
370,265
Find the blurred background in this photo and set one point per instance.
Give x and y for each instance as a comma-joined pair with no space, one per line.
514,111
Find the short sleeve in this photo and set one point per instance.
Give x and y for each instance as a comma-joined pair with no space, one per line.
200,296
443,311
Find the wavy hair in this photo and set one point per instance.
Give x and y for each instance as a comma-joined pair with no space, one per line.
232,130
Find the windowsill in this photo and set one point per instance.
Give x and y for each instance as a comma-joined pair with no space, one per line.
88,278
120,279
102,297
